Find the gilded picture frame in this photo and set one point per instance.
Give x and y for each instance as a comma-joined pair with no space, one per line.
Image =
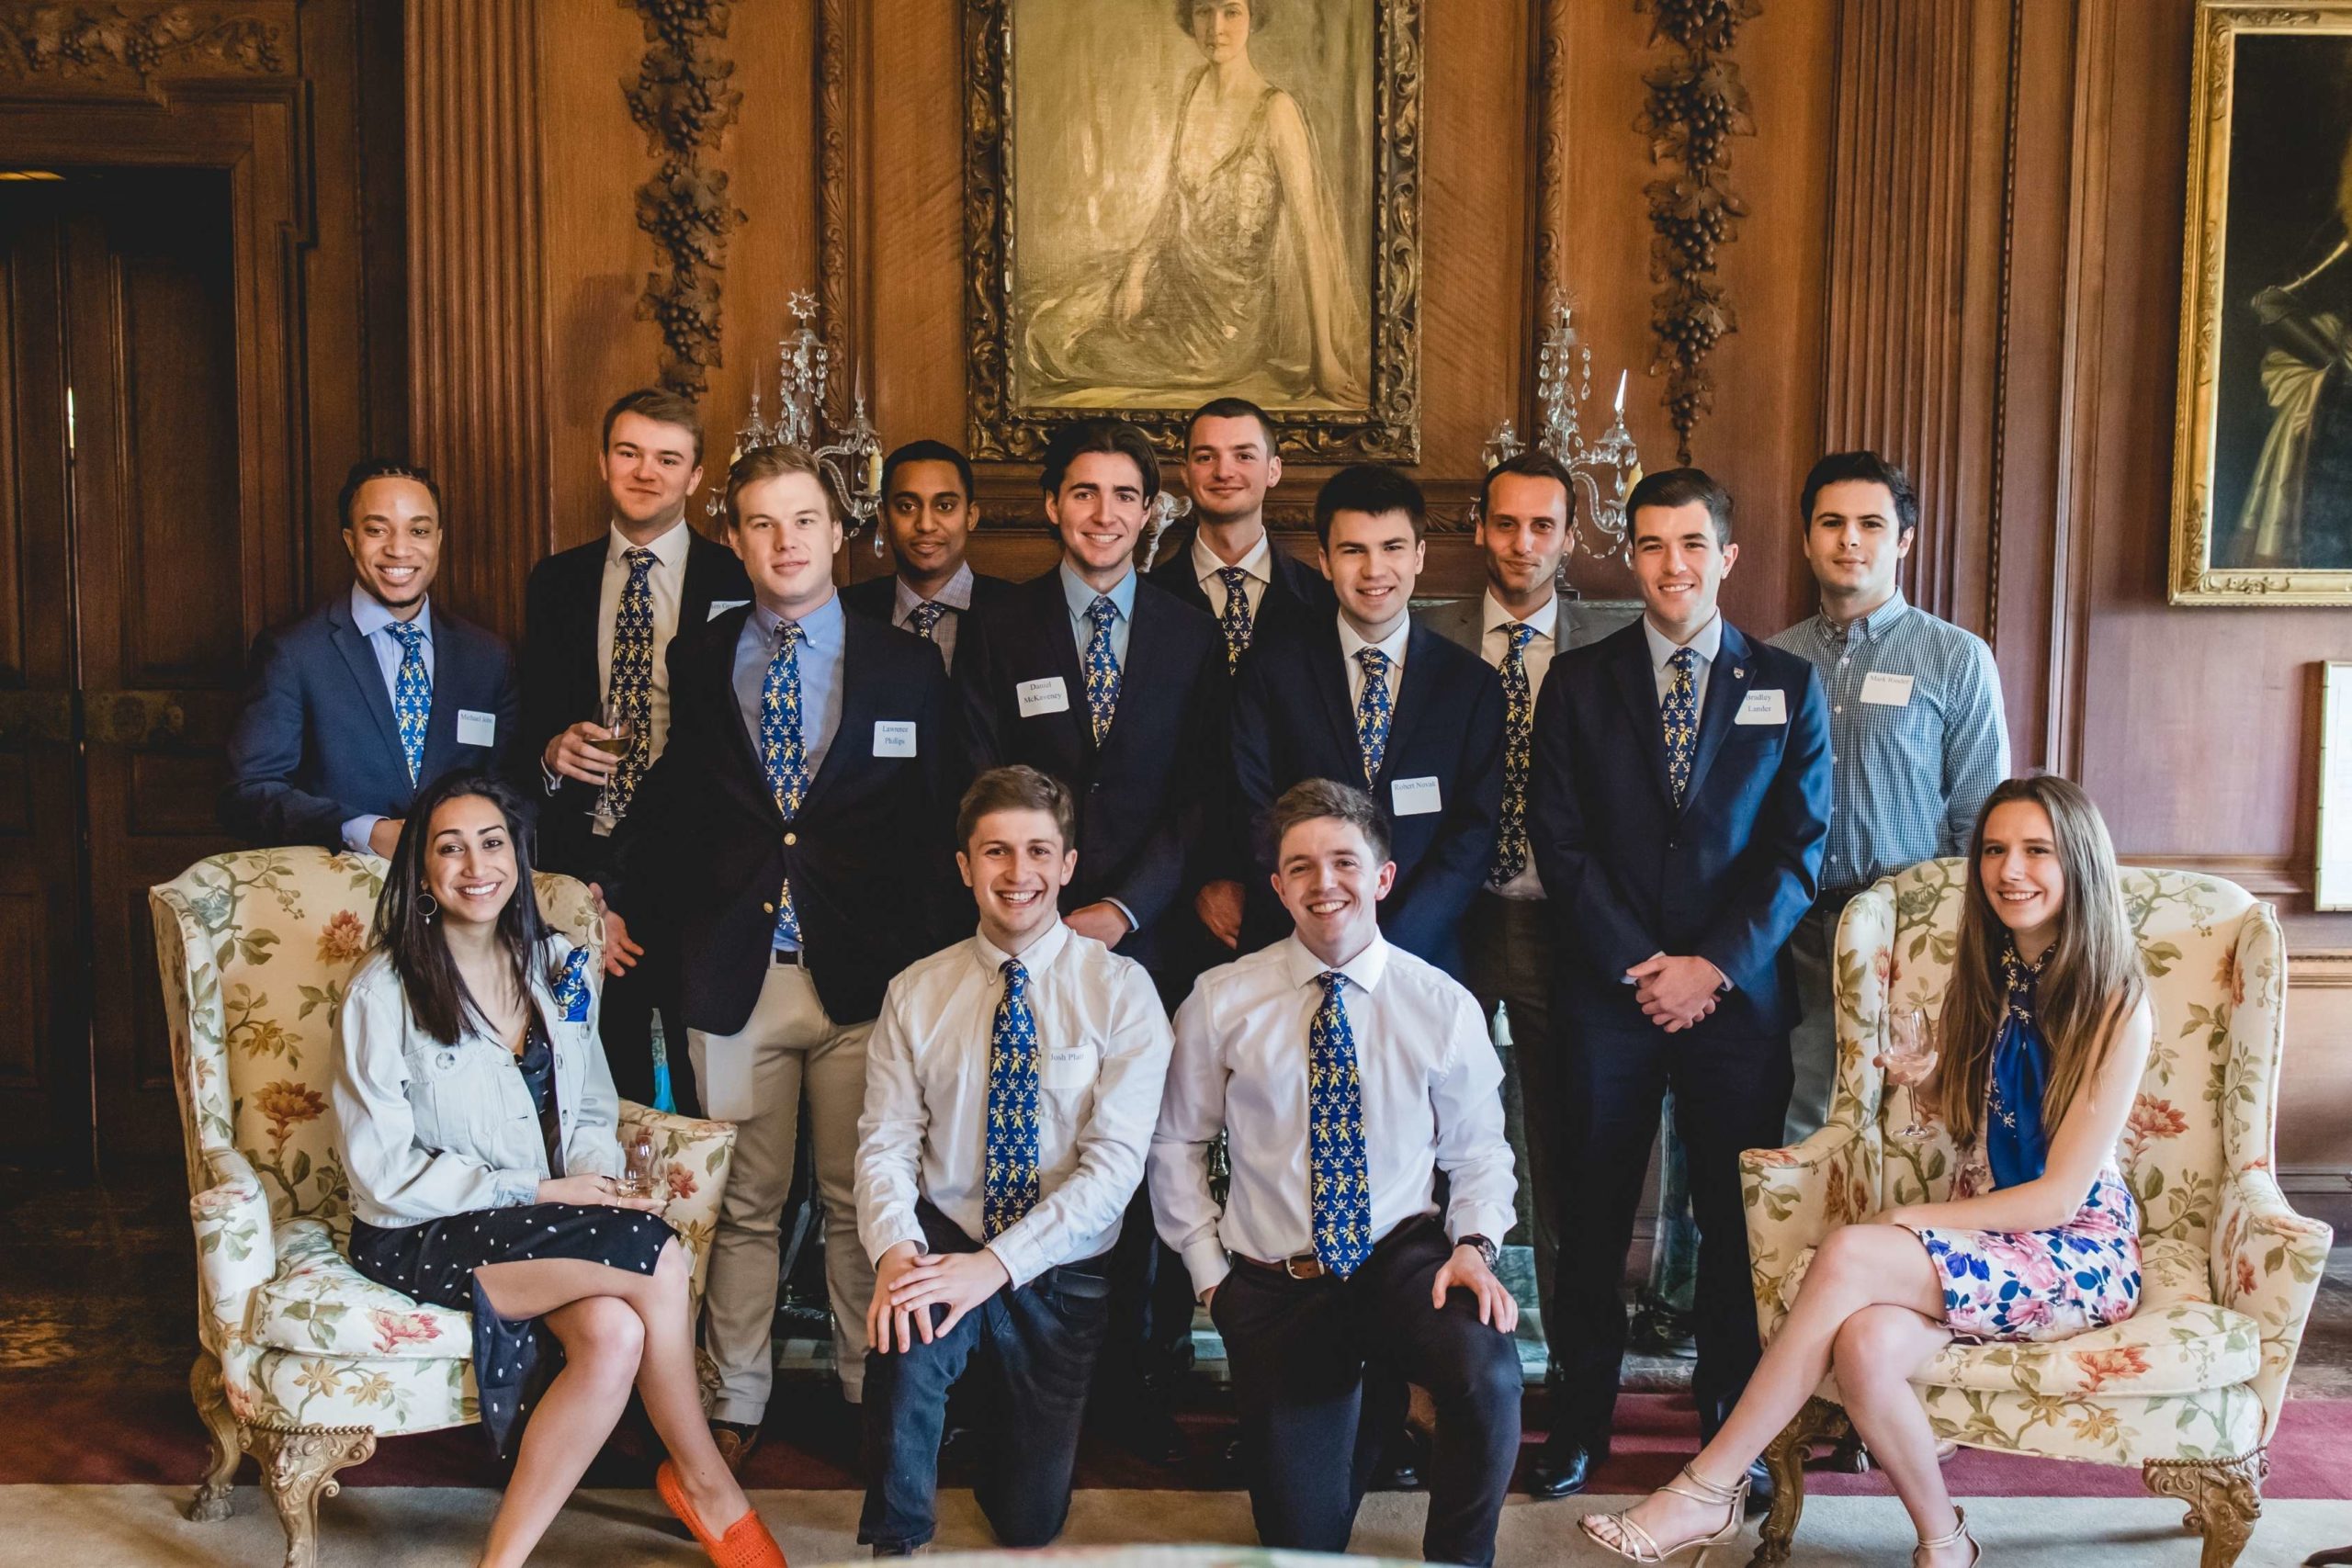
1155,216
2262,459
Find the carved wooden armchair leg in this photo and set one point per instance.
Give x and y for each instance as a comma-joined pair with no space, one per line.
297,1467
215,1493
2225,1498
1819,1421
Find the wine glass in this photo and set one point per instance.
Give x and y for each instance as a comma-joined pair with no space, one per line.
641,1175
614,719
1910,1057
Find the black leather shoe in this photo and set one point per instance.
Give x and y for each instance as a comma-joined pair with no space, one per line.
1561,1470
1402,1465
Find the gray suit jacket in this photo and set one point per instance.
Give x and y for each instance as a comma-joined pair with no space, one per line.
1462,621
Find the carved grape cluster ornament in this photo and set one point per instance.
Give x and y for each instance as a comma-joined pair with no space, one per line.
685,99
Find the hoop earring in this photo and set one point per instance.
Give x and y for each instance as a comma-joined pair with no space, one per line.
428,905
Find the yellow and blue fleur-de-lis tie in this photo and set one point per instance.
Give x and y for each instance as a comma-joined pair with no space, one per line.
1519,713
1680,713
1338,1208
411,694
1012,1174
1373,711
1101,669
784,755
923,621
630,689
1235,621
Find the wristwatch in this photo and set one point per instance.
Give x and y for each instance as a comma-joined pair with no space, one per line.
1485,1250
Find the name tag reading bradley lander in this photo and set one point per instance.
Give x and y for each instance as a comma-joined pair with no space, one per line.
477,729
1414,798
1763,708
1048,695
894,738
1887,690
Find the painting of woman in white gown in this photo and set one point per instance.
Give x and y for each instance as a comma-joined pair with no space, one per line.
1192,190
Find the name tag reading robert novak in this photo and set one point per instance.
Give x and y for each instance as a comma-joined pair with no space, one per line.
1048,695
1414,798
1763,708
894,738
477,729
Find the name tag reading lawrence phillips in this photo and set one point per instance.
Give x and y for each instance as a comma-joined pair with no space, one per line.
894,738
1887,690
1048,695
1414,798
1763,708
477,729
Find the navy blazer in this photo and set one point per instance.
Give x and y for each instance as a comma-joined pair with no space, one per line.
559,684
1293,719
869,852
878,597
1141,795
1728,875
316,744
1298,595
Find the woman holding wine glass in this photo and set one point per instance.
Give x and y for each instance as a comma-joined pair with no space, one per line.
2044,1033
477,1117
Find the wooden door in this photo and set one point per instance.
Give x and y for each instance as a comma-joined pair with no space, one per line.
149,562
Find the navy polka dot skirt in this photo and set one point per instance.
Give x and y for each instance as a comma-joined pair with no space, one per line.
435,1261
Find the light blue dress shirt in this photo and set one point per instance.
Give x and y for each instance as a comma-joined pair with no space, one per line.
1078,596
370,618
821,675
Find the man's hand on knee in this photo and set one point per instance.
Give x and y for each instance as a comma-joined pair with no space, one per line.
1467,1270
956,1280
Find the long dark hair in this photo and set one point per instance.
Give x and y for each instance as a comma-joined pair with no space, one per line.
413,938
2091,980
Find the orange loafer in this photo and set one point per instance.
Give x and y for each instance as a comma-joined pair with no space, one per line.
746,1544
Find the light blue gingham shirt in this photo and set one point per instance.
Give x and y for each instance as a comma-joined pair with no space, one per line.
1910,776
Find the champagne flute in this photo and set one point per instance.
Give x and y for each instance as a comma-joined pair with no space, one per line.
621,730
1910,1057
641,1159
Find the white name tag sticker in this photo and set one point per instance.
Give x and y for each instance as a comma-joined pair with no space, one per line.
1048,695
1069,1067
894,738
1763,708
477,729
721,606
1887,690
1414,798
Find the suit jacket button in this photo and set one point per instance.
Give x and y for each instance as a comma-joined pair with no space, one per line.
767,908
790,840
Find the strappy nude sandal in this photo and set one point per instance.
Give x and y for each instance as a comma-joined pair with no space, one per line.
1959,1533
1635,1544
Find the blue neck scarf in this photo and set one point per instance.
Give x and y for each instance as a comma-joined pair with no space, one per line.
2015,1143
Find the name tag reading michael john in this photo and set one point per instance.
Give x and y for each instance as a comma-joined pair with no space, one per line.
1763,708
477,729
1048,695
894,738
1414,798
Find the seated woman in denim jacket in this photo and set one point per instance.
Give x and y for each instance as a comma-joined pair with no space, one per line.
477,1116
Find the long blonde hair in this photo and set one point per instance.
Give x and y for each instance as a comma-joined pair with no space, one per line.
2091,978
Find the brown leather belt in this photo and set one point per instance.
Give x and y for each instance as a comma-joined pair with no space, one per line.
1299,1266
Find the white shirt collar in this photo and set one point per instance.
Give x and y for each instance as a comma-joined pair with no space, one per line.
669,550
1706,644
1546,621
1037,958
1206,564
1351,642
1302,967
957,595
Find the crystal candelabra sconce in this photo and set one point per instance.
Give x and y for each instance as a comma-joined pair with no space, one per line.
1604,470
854,463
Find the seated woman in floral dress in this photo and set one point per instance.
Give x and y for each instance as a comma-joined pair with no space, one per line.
477,1116
2045,1031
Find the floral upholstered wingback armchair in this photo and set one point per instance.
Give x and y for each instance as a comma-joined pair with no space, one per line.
2189,1387
305,1361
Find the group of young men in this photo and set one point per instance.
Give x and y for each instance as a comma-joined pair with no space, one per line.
1332,835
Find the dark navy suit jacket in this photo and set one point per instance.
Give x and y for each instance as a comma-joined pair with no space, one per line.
1293,719
316,744
1728,875
1297,596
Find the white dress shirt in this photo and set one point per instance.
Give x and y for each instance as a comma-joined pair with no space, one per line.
1103,1042
1351,642
667,582
1432,1100
1494,647
1706,643
1258,568
957,595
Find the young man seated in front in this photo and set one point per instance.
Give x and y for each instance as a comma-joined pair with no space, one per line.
1012,1081
1349,1073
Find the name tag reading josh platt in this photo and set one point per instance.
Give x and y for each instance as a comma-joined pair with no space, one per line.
894,738
1048,695
1414,798
1887,690
1763,708
477,729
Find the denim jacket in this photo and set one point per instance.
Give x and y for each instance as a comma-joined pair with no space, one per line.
429,1130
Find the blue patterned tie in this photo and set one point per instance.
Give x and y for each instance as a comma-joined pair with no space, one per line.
629,692
1680,712
1371,711
1338,1207
1519,713
1101,669
923,620
1236,619
411,694
1012,1108
783,755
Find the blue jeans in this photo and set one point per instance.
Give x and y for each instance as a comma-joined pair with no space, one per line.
1031,1351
